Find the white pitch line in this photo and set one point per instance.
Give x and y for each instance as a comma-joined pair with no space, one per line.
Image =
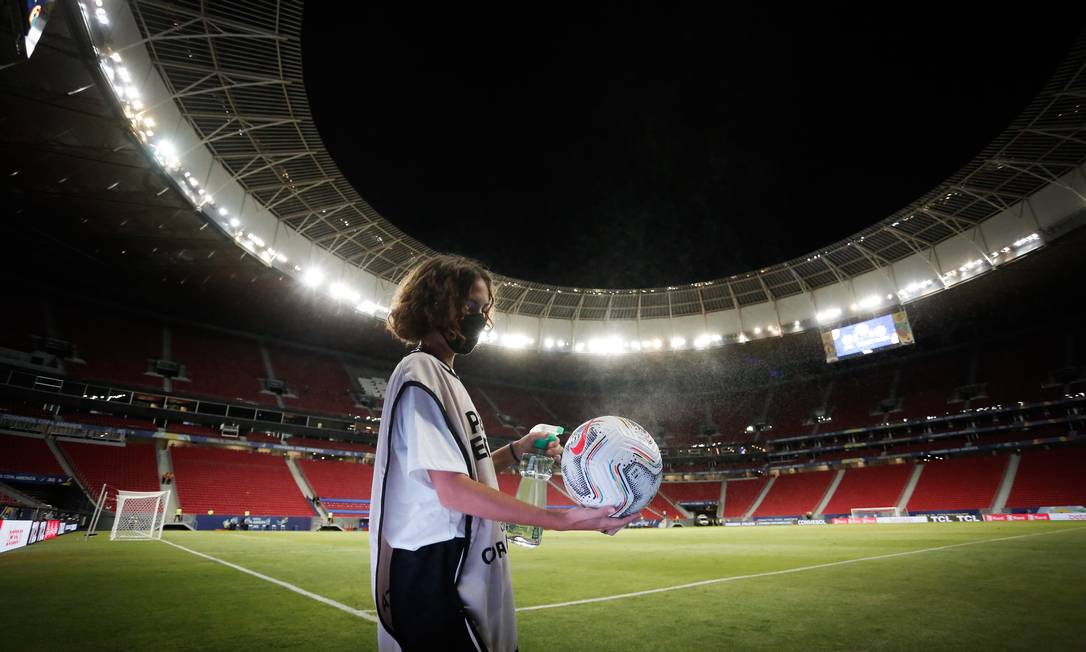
286,585
786,571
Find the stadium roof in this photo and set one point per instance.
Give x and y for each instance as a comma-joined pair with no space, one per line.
235,72
89,176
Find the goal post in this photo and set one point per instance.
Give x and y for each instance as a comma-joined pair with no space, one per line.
860,512
140,515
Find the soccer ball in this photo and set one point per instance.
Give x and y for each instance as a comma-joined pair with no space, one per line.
612,461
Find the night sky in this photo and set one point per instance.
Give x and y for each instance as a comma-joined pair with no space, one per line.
625,147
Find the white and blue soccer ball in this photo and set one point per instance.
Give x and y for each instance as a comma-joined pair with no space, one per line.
612,461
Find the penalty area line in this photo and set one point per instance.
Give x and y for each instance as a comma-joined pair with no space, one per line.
286,585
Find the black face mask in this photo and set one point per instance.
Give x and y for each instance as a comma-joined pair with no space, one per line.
471,325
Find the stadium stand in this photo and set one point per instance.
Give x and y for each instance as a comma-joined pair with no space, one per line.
131,467
519,405
334,479
928,384
111,347
319,382
219,365
27,455
795,494
343,487
692,492
231,482
856,396
1050,478
734,412
958,483
791,406
874,486
740,494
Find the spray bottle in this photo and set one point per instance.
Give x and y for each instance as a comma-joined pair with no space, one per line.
535,470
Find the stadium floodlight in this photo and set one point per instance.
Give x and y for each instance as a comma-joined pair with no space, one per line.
516,341
235,222
827,315
579,347
258,241
343,292
312,277
223,212
116,56
605,345
367,307
678,342
167,153
123,73
548,343
870,302
657,343
1033,237
636,346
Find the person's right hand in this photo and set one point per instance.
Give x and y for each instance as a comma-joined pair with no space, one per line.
593,518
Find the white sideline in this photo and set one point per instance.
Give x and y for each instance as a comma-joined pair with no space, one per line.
285,585
369,615
786,571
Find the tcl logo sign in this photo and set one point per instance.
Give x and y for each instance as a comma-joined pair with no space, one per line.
953,518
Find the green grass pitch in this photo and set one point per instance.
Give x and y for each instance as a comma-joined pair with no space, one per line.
1022,592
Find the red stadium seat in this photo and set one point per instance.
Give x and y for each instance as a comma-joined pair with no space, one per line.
958,483
795,494
875,486
232,482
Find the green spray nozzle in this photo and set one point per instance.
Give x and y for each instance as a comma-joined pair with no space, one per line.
542,444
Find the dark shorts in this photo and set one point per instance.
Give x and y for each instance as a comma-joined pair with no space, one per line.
427,612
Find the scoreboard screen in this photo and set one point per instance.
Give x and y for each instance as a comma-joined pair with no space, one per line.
862,338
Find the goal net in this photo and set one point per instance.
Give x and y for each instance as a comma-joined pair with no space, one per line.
859,512
139,515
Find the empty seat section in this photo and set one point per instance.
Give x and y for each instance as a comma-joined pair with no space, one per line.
875,486
791,405
27,455
927,384
958,483
1050,478
132,467
319,382
220,365
231,482
855,396
692,492
734,412
740,494
795,494
520,406
114,348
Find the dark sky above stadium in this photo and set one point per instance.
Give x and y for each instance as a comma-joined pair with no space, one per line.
623,146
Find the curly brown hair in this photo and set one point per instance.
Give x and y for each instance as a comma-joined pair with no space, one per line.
432,296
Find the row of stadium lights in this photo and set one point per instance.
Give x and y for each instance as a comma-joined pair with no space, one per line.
165,153
871,303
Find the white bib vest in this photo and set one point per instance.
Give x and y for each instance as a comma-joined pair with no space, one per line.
482,578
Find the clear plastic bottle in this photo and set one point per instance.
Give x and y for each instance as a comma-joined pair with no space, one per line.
535,471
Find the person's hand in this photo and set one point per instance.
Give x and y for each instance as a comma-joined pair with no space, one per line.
525,443
593,518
